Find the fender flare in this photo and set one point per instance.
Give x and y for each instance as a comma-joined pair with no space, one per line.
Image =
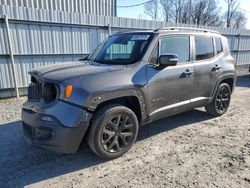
96,99
224,77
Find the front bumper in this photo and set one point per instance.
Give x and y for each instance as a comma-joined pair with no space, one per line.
46,128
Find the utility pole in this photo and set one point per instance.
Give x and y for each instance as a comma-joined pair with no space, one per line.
11,54
190,10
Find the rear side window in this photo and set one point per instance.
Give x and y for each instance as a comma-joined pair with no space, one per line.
178,45
204,48
218,45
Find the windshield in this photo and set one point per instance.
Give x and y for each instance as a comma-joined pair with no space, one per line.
122,49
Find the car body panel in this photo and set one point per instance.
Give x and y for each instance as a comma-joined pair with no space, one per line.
161,92
165,84
71,70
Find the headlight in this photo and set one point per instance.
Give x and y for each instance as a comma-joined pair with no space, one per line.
49,92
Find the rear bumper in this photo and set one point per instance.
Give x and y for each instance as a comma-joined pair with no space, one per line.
47,131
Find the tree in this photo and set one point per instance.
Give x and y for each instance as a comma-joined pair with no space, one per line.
174,10
152,9
232,6
239,20
206,12
197,12
166,9
201,12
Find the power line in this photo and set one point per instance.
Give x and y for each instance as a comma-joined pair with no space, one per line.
247,11
136,5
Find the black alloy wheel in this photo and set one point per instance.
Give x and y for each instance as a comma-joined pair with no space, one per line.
222,99
113,131
118,133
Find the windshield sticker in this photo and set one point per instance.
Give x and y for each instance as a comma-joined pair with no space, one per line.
140,37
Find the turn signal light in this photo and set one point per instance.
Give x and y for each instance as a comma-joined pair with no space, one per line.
68,91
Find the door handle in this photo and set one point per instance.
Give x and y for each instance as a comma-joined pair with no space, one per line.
186,73
216,68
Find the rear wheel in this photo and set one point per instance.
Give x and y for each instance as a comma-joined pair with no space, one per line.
221,100
113,131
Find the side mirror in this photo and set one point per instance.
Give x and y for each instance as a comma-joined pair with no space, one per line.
168,60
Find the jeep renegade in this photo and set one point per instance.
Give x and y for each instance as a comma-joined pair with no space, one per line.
130,79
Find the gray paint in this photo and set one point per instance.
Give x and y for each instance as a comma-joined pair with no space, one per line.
58,110
159,91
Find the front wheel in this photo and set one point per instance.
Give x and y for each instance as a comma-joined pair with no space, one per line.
221,100
113,131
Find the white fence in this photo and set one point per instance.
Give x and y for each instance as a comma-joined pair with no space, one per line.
40,37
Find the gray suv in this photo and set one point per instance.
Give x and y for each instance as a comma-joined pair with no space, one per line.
129,80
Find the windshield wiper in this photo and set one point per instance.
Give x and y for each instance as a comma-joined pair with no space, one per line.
84,59
102,62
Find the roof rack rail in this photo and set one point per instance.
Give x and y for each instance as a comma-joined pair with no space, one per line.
187,28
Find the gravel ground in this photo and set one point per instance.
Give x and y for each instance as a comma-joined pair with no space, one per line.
10,109
192,149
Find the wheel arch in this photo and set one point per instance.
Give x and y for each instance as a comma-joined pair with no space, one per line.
132,99
132,102
230,79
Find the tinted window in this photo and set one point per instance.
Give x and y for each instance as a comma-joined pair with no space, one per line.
178,45
218,45
204,48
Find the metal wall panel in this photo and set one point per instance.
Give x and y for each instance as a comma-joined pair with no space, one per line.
243,58
25,63
80,6
244,42
3,41
41,37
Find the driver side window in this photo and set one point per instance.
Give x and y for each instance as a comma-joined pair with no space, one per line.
178,45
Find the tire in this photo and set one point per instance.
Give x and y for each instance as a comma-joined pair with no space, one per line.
221,100
113,131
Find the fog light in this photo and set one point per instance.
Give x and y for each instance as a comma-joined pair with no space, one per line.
43,134
47,118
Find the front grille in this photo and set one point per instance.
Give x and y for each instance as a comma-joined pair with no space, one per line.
35,92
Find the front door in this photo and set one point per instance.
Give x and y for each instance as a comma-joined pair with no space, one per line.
171,88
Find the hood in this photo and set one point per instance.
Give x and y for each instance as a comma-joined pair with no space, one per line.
61,72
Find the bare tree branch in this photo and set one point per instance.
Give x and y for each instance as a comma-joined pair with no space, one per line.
239,20
202,12
152,9
232,6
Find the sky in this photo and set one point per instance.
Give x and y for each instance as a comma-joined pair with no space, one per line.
138,12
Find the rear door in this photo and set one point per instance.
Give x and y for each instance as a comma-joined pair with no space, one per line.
208,67
170,89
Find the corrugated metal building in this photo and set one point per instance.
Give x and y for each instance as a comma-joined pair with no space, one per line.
38,36
97,7
48,36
